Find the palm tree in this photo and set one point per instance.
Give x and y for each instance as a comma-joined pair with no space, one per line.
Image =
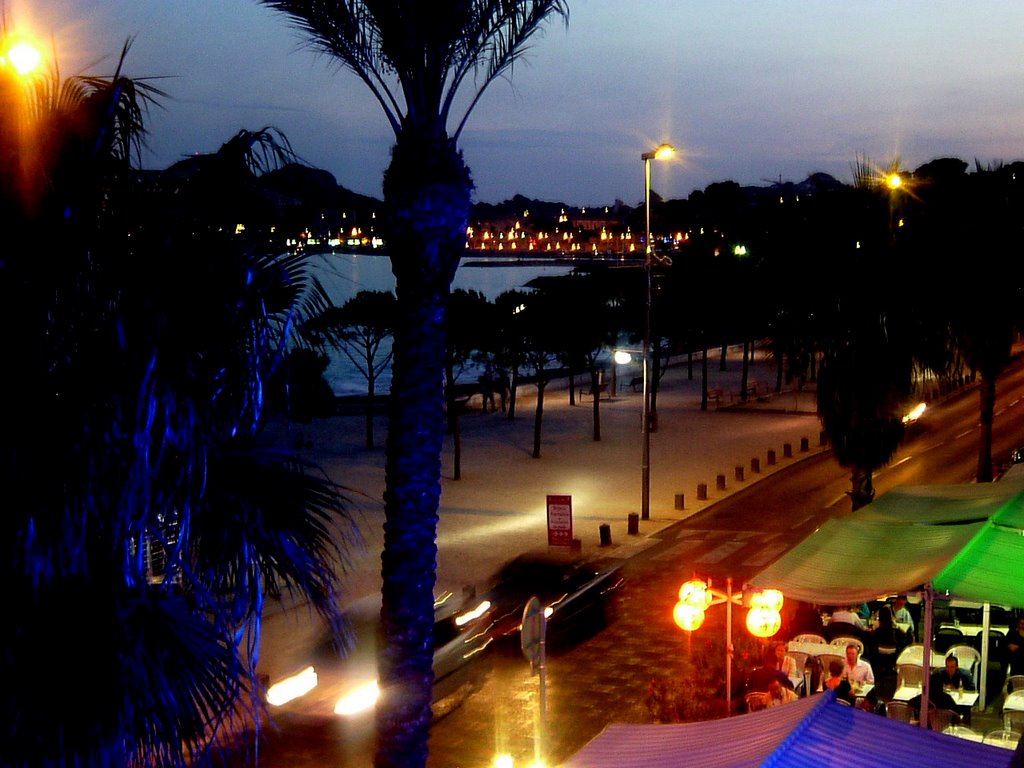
415,58
148,516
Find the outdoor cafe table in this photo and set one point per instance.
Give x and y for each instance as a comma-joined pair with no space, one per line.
973,630
960,698
913,654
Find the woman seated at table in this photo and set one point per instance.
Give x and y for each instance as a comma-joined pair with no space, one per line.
837,683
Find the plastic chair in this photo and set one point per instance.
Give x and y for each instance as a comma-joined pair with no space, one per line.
827,658
756,700
1013,720
1002,738
940,719
810,638
910,675
899,710
1014,683
963,732
946,637
841,641
911,654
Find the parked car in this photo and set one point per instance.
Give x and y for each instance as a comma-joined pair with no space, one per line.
574,591
342,682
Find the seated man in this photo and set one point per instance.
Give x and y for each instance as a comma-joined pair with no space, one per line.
835,681
848,615
856,669
951,678
761,677
779,694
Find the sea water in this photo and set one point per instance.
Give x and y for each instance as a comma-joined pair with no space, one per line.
343,275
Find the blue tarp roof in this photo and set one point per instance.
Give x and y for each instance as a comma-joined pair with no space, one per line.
814,732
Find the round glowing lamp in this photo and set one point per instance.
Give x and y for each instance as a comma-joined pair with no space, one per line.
688,617
769,598
622,357
694,592
763,622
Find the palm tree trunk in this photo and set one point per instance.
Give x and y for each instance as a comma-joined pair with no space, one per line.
427,193
745,375
371,385
987,392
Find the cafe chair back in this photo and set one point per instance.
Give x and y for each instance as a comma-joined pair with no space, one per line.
946,637
910,675
1014,683
1002,738
1013,720
899,710
842,641
940,719
756,700
963,732
808,637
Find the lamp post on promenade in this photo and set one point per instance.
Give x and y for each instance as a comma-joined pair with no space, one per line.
660,153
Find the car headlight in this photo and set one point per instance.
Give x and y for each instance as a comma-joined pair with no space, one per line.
292,687
358,699
464,618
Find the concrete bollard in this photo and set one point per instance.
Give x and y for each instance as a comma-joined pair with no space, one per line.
633,523
787,450
771,458
702,491
755,465
679,501
606,534
805,445
739,474
720,482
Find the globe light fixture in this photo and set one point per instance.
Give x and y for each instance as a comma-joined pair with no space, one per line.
763,619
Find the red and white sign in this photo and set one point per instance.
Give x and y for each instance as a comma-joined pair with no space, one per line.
560,521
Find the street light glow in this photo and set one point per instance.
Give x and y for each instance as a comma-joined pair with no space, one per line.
23,57
894,181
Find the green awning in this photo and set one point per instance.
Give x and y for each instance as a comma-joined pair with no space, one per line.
966,540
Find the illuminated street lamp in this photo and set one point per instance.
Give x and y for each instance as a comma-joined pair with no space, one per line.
763,619
660,153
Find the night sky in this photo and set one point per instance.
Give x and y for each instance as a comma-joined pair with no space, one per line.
751,91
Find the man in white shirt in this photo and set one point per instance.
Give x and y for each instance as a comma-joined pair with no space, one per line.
856,670
848,615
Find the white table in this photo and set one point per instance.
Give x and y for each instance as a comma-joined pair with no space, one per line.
1015,701
914,654
960,698
973,630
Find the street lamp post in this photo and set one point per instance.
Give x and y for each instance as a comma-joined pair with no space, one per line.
660,153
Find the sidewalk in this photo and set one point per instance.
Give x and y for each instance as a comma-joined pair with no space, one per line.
498,508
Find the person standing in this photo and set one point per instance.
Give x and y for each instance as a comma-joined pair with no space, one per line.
902,615
1015,647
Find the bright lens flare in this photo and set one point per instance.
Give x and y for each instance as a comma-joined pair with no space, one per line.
504,761
292,687
358,699
664,152
476,613
894,181
24,57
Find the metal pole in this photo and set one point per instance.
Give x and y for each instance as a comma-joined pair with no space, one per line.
926,656
645,468
728,646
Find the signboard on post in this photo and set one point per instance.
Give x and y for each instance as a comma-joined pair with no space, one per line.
560,521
